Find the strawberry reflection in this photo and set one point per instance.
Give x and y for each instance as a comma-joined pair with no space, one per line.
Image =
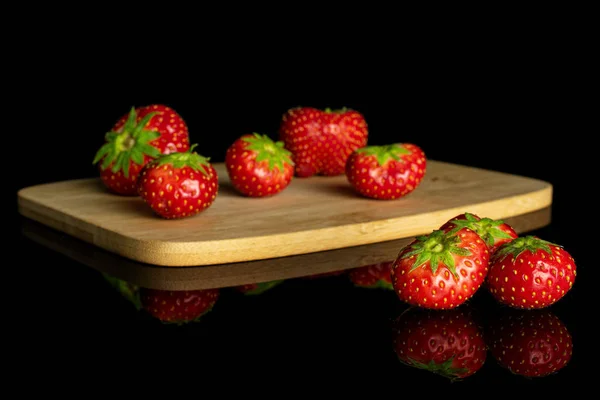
448,343
252,289
531,343
373,276
168,306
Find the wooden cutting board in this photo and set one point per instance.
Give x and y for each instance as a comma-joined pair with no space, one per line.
241,273
312,215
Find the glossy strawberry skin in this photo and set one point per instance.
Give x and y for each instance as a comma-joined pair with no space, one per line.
342,133
392,180
178,306
448,343
300,130
373,276
174,136
532,343
174,133
421,285
255,178
322,140
494,233
175,193
532,279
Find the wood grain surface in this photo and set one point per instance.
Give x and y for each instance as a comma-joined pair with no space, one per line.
312,215
227,275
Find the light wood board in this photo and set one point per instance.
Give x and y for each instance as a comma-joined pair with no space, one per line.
242,273
312,215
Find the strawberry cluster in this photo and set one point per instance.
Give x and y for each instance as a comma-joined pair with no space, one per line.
445,268
148,153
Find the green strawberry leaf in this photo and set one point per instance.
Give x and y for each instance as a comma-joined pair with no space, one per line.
385,153
122,148
266,149
189,159
520,245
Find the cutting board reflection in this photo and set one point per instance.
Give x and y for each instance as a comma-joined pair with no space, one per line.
312,215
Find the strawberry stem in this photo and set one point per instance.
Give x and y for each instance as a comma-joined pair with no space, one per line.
437,247
520,245
267,150
131,144
487,228
386,152
189,159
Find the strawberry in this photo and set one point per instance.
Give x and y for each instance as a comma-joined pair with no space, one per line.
322,140
180,306
386,172
178,185
257,288
441,270
493,232
142,135
529,272
257,166
530,343
448,343
373,276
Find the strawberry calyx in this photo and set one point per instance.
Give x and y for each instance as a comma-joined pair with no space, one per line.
518,246
436,247
189,159
385,153
487,228
131,143
444,369
336,111
267,150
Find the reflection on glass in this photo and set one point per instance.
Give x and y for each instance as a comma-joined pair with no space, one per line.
448,343
530,343
168,306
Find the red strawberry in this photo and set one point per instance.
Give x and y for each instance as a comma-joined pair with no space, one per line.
530,343
257,166
386,172
448,343
257,288
178,306
494,232
441,270
529,272
179,185
142,135
373,276
321,141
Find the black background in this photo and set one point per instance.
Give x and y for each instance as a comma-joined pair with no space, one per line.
513,103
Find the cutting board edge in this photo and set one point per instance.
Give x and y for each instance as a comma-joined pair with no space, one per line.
185,254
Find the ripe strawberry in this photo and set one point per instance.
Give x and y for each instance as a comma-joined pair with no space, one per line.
530,343
257,288
448,343
322,140
142,135
493,232
386,172
441,270
257,166
373,276
178,306
529,272
178,185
